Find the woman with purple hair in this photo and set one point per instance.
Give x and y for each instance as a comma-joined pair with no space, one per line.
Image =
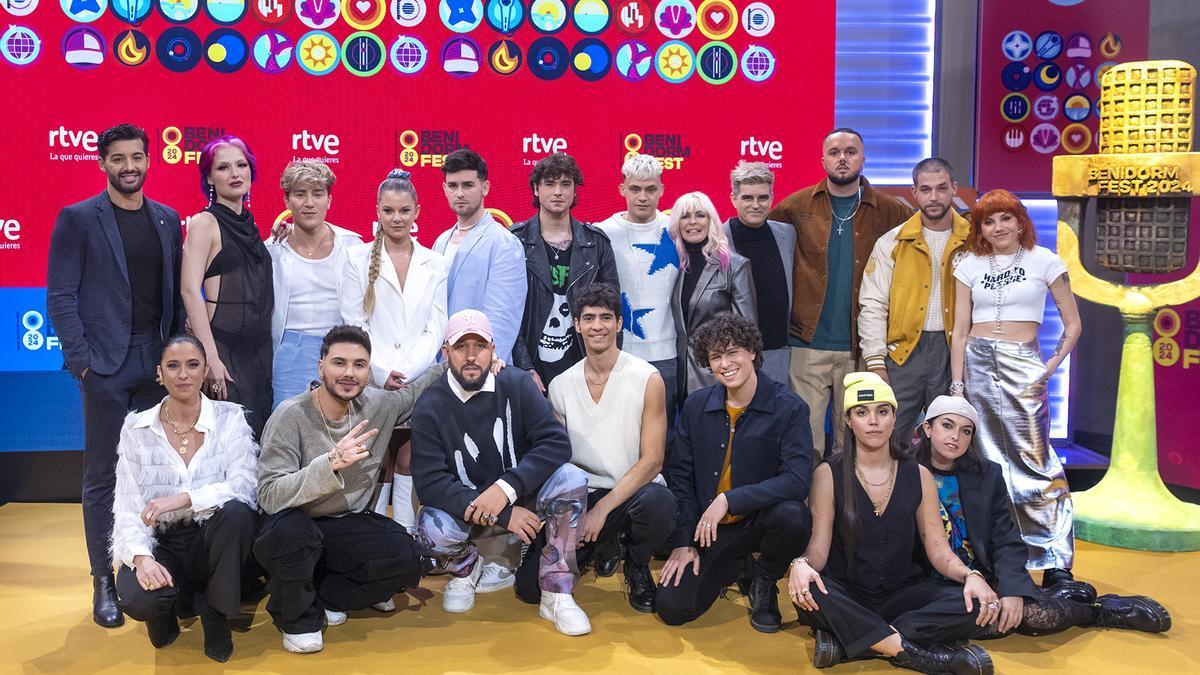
714,280
226,282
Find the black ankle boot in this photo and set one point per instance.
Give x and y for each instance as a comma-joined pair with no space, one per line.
969,660
163,629
218,640
1131,612
104,602
641,587
764,604
1056,575
827,651
1075,591
608,556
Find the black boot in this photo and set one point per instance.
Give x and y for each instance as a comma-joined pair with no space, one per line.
641,587
1132,612
827,651
609,552
764,604
969,660
104,602
1075,591
1056,575
218,640
163,629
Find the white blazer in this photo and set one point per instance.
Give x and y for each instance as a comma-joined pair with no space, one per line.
281,270
407,326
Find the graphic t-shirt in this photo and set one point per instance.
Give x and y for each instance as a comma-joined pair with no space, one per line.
1019,285
558,333
953,519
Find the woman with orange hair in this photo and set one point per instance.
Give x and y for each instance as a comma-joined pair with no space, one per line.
996,362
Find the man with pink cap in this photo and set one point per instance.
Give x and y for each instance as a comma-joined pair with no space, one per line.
489,457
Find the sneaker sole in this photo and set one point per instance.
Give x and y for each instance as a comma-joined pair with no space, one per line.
298,649
545,614
458,610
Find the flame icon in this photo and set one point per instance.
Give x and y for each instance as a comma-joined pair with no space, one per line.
130,51
505,57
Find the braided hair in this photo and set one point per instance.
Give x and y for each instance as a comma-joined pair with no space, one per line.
396,181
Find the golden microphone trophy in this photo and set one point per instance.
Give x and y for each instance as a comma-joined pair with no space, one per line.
1142,182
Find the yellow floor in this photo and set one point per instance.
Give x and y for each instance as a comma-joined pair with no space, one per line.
46,626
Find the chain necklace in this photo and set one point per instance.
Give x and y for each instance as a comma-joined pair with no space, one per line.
842,221
1000,293
178,429
557,248
890,482
325,420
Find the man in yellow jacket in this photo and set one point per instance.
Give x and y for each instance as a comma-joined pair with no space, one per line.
906,303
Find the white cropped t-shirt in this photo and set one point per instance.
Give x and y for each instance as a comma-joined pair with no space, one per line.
1025,283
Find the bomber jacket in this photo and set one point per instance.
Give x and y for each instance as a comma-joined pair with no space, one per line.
895,288
810,212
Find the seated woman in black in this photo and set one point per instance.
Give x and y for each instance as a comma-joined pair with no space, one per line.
858,578
977,518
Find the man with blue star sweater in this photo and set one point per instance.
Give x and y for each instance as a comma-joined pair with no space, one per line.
647,266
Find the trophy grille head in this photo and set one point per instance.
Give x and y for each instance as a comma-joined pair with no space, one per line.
1146,106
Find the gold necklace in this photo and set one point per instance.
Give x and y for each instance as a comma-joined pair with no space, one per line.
890,482
325,420
179,431
598,384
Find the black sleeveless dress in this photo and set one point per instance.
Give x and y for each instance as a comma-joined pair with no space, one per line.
241,323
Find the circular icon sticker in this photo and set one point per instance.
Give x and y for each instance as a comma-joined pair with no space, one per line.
548,16
675,61
1079,46
633,16
1016,45
590,59
131,47
363,54
717,62
504,57
19,7
408,54
317,14
460,56
1014,108
460,16
1014,137
224,12
1016,76
675,18
1110,45
504,16
179,11
591,16
1047,76
317,52
225,50
1044,138
132,11
272,51
364,14
179,49
716,19
1078,76
407,13
758,63
1046,107
633,60
758,19
84,47
1101,70
271,12
547,58
1076,138
1048,45
83,11
1077,107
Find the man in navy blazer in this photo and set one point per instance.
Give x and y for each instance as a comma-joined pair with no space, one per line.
112,293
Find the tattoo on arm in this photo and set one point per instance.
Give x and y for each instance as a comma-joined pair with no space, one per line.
1059,347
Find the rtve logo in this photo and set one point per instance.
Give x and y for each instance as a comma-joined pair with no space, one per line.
69,139
10,234
325,143
543,145
752,147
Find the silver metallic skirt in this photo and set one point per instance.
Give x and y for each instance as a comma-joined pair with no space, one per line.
1005,382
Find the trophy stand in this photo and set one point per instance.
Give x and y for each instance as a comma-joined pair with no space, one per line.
1142,180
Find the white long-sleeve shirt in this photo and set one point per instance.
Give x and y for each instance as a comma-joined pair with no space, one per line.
224,468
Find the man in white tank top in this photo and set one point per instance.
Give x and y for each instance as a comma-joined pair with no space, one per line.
613,405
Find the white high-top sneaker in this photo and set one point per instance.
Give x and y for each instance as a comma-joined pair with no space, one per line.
303,643
568,618
388,605
334,617
459,595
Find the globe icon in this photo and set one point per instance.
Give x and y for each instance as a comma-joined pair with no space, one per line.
408,54
21,45
758,63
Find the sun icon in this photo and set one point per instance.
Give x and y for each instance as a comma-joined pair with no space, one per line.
675,61
318,52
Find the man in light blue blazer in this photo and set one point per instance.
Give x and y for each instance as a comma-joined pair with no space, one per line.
487,263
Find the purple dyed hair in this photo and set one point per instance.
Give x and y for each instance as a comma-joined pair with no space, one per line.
210,151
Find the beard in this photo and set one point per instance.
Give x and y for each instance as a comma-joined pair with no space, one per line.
935,213
331,389
115,181
472,383
851,179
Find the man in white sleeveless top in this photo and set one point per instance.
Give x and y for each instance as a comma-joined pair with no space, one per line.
613,405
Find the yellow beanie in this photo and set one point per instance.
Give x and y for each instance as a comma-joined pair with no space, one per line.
864,388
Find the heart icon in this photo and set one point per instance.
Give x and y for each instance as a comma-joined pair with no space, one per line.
717,18
363,7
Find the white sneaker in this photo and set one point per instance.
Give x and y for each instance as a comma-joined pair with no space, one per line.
459,595
568,618
303,643
334,617
387,606
495,577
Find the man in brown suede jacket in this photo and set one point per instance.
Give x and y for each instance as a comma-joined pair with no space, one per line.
837,222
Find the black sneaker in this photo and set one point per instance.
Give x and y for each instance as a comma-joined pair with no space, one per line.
641,587
1131,612
969,660
764,604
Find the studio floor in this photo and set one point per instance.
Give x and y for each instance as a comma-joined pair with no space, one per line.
46,626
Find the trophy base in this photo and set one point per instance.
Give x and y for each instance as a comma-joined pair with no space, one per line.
1131,510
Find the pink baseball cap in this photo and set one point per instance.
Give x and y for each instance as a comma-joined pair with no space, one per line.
468,322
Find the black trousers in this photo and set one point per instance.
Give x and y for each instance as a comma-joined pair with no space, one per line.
925,613
647,518
106,401
778,533
203,558
349,562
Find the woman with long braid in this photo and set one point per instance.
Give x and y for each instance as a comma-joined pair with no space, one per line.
395,288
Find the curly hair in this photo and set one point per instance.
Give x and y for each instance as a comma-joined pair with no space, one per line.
724,331
553,167
597,295
305,173
999,201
